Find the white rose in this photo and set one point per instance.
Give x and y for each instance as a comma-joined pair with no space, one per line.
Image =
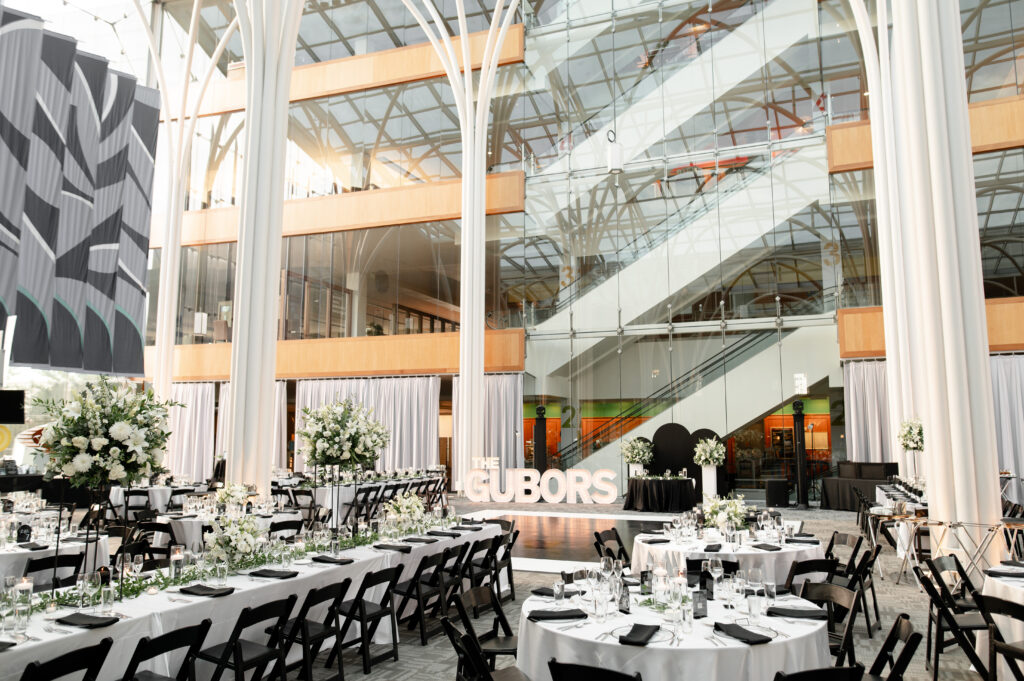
121,431
81,442
68,470
99,443
117,472
82,462
115,451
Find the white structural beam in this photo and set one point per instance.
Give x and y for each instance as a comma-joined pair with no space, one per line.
269,30
473,103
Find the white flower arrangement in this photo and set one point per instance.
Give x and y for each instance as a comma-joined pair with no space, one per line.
638,451
107,433
911,436
233,540
709,452
406,507
342,434
718,510
232,493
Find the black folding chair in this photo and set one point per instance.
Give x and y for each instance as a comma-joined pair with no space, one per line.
606,548
137,500
189,638
88,660
243,654
369,615
563,671
798,568
902,631
1013,652
497,641
310,634
860,581
478,665
962,626
42,571
854,673
841,604
290,528
850,541
428,587
503,563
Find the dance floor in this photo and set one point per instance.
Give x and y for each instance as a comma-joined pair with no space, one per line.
569,537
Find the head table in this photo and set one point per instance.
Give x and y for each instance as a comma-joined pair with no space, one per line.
796,645
672,555
152,615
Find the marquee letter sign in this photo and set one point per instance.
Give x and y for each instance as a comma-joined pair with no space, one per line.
527,486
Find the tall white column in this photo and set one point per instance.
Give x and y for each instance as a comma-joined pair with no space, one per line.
269,30
473,105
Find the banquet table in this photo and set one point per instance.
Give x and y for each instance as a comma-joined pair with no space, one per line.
838,494
188,530
660,496
802,644
774,565
1008,589
151,615
159,496
13,559
345,493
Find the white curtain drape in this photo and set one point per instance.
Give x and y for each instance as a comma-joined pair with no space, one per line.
190,450
867,412
1008,389
503,425
408,406
280,438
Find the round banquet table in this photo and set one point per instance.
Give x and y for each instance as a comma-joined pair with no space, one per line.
1008,589
803,645
159,496
660,496
188,531
774,564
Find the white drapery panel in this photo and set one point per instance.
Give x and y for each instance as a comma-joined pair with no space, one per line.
280,438
867,412
408,406
1008,389
190,450
503,425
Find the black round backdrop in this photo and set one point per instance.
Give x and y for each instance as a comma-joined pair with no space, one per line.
673,450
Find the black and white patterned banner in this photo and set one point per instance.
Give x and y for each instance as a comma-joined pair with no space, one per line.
43,191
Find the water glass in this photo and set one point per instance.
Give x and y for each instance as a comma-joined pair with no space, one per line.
558,590
754,605
769,594
600,605
220,570
177,559
686,617
107,596
137,561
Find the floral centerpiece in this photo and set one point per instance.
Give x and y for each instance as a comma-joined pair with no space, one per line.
718,510
232,494
911,436
406,508
342,434
709,452
107,433
233,540
637,451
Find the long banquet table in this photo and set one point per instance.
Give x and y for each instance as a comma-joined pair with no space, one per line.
13,558
346,492
799,645
151,615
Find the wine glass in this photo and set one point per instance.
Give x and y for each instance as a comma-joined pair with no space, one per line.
617,569
137,561
716,569
199,558
93,584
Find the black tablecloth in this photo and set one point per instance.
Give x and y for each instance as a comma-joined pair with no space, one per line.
660,495
837,493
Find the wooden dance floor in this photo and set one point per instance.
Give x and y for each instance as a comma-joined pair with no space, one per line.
569,537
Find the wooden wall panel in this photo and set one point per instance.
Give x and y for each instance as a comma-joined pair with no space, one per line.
361,72
434,353
995,124
862,332
506,193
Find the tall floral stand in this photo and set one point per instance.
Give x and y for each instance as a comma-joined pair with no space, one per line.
709,480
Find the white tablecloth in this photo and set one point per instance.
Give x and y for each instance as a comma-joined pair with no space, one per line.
774,564
14,559
695,658
158,497
344,494
1012,630
189,531
151,615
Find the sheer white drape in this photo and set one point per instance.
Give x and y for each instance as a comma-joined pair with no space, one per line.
280,438
867,412
190,450
1008,388
408,406
503,425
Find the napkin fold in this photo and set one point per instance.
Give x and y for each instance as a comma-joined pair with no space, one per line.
639,635
33,546
655,541
4,645
420,540
548,592
86,621
208,591
551,615
81,540
332,560
798,613
805,535
442,533
768,547
1012,563
741,634
468,528
274,574
393,547
712,548
794,540
996,572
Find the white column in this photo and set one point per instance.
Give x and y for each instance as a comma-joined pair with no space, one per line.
473,105
269,30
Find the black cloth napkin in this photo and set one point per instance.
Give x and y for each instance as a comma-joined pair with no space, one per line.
547,615
798,613
468,528
81,619
210,591
332,560
4,645
639,635
741,634
80,540
442,533
655,541
793,540
996,572
420,540
274,574
768,547
1012,563
548,592
33,546
393,547
712,548
806,535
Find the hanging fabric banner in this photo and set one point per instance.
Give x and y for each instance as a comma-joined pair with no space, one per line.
133,253
21,37
81,157
41,215
104,242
